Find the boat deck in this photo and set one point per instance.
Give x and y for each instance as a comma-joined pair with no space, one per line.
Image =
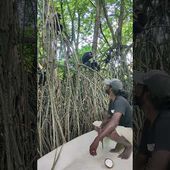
74,155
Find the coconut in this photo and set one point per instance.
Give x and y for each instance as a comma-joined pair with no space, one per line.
108,163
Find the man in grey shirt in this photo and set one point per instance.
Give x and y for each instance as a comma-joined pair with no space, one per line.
117,125
152,95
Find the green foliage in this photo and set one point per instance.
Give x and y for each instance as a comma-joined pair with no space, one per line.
72,10
127,32
77,18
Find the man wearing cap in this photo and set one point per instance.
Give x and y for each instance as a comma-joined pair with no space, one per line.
151,97
117,125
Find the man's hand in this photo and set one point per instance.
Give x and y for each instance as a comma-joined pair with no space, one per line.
94,146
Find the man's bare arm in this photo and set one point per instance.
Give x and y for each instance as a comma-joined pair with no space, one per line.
110,126
105,120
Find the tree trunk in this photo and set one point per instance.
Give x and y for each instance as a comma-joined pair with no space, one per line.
18,120
108,22
96,27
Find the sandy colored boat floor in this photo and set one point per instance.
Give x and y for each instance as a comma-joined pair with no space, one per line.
75,155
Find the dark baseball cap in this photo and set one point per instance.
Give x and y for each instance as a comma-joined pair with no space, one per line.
159,85
157,81
141,77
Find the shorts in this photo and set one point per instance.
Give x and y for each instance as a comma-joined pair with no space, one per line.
126,132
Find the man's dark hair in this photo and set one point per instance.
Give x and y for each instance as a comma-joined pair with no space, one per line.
121,93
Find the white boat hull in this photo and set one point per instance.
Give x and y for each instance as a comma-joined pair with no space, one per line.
75,155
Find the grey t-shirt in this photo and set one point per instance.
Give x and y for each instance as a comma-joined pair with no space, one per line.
156,134
120,104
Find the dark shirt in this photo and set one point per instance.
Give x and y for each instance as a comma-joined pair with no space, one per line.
156,137
120,104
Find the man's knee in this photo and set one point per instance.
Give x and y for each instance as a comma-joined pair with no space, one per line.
98,129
